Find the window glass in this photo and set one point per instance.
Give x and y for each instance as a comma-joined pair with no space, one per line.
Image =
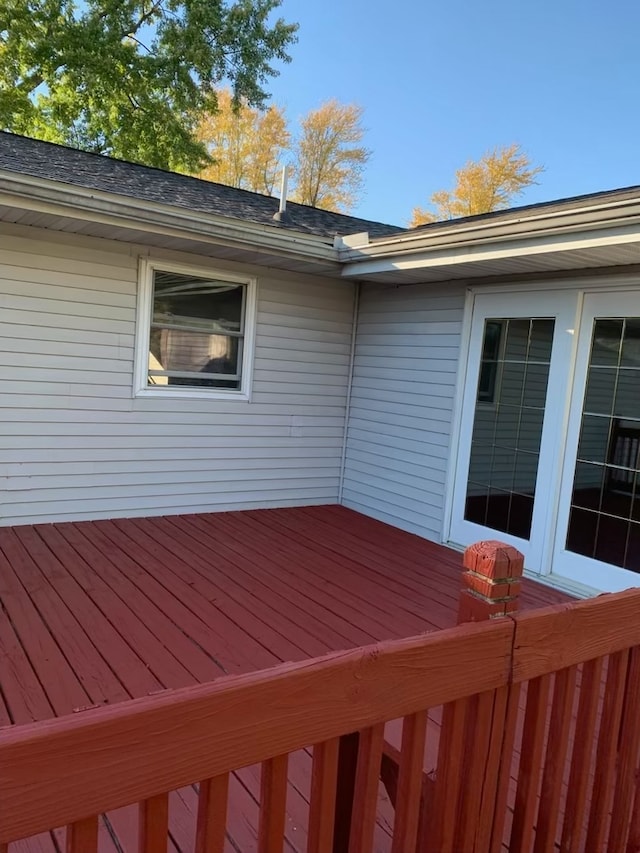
489,362
605,502
197,330
507,426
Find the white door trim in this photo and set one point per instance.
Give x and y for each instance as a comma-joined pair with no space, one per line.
456,420
562,307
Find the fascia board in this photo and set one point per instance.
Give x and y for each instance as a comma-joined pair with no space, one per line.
75,202
497,250
550,222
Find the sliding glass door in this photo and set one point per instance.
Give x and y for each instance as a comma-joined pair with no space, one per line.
549,452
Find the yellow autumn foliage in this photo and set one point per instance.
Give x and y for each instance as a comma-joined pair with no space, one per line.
329,157
490,183
246,144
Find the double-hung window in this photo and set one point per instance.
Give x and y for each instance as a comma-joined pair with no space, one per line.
195,332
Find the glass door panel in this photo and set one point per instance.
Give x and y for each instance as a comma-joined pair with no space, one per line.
507,427
520,351
599,528
605,509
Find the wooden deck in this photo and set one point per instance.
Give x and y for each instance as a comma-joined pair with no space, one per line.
99,612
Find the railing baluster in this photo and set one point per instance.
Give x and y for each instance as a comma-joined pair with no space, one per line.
82,836
477,744
504,745
345,790
441,822
484,743
633,842
273,803
365,804
607,750
212,814
575,809
324,781
628,746
530,769
410,775
555,760
153,829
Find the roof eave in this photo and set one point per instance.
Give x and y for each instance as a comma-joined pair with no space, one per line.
61,199
551,230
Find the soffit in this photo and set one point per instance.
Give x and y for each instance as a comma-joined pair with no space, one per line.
204,245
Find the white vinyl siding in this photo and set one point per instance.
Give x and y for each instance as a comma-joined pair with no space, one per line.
75,443
399,428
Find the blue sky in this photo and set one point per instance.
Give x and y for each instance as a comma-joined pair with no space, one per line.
443,82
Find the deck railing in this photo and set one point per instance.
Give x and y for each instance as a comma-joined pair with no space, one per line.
520,733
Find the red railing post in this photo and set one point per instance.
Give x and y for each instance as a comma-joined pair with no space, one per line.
490,588
491,581
473,729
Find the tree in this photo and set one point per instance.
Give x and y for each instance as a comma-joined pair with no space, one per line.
490,183
247,147
245,144
131,77
328,157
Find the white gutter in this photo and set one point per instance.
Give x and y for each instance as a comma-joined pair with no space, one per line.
494,249
46,196
557,220
514,233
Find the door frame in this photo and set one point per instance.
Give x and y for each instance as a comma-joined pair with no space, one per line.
561,306
579,287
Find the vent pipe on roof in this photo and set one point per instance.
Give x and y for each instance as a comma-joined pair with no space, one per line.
282,215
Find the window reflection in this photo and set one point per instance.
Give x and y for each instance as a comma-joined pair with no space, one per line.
507,426
196,334
605,506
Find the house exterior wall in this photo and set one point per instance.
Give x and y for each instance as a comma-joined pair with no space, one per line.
404,379
76,444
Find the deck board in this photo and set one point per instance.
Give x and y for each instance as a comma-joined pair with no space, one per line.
97,612
353,577
346,575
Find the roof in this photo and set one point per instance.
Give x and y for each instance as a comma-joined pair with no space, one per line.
74,191
59,163
510,214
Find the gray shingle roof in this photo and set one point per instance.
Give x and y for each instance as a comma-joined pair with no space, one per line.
568,203
94,171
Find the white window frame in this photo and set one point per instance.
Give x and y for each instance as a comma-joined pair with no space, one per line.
141,388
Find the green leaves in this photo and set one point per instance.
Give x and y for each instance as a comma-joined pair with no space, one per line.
131,77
